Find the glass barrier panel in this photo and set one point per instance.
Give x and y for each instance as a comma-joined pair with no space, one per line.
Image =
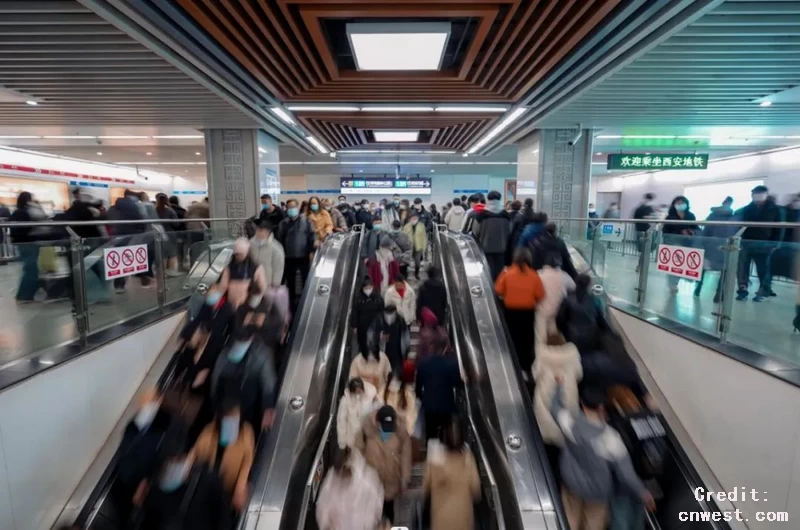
35,298
767,299
184,262
681,285
115,292
617,267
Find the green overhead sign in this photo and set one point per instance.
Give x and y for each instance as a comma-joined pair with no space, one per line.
639,161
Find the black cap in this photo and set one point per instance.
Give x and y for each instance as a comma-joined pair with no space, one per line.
760,189
387,418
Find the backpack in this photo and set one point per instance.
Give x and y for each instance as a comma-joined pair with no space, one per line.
642,432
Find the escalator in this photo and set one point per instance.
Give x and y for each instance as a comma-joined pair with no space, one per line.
465,266
310,355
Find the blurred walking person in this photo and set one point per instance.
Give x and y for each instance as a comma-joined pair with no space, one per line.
454,219
360,399
320,220
268,252
415,229
297,236
28,211
240,272
351,496
367,305
337,217
492,230
438,377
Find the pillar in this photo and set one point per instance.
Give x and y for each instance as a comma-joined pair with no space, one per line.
239,164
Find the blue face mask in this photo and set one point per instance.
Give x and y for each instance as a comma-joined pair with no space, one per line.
396,202
314,207
213,298
376,226
237,351
292,212
680,207
173,476
228,431
384,435
265,206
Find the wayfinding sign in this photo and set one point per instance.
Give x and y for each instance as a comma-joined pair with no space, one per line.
684,262
125,261
612,232
638,161
385,186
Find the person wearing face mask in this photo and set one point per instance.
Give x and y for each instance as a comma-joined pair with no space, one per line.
645,210
681,234
240,272
591,225
297,236
403,297
477,203
758,243
372,367
438,377
372,238
454,218
403,211
391,211
246,364
387,448
351,496
338,220
360,399
347,211
320,220
612,212
185,494
227,445
270,212
364,214
401,397
366,306
268,252
492,229
714,258
381,266
390,331
403,248
139,451
419,239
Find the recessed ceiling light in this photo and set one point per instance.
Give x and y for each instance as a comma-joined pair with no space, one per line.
149,153
198,153
432,171
122,137
282,114
396,136
316,143
398,46
765,104
464,108
500,127
323,108
32,102
360,170
262,150
598,153
67,137
401,108
20,137
99,153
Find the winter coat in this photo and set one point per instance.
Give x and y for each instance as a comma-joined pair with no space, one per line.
406,305
380,279
297,236
418,235
581,320
714,258
371,371
363,217
643,211
469,217
274,216
124,209
236,459
550,362
390,458
427,338
372,241
493,231
269,254
390,214
236,278
520,288
322,223
408,414
348,213
433,295
365,309
82,211
338,220
678,229
438,376
354,503
352,412
199,210
767,212
402,248
557,285
451,478
541,244
255,376
454,219
398,341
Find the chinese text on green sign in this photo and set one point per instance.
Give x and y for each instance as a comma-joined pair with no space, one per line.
631,161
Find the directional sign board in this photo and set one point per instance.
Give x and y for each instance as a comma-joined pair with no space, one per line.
386,186
684,262
125,261
612,232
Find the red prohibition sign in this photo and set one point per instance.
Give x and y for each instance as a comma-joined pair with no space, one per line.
663,256
678,257
693,260
127,257
112,260
141,255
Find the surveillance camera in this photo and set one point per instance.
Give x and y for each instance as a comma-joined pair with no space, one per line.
572,141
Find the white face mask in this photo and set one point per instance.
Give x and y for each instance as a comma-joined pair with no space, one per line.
390,318
146,415
592,210
759,197
254,300
367,291
394,386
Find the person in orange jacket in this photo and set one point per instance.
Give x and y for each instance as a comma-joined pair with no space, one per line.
520,288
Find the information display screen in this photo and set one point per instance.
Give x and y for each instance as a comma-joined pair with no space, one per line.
385,186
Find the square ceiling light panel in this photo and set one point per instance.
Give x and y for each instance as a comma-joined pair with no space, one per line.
398,46
396,136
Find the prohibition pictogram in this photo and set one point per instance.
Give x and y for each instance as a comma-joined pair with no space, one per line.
141,255
693,260
678,258
664,255
127,257
112,260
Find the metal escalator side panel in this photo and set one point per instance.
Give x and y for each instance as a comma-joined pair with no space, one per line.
304,399
505,421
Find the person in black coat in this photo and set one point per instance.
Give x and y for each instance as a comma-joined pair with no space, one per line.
438,376
433,295
270,212
366,306
758,243
388,326
348,212
679,234
716,236
645,210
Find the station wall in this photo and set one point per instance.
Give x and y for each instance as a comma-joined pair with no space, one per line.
778,169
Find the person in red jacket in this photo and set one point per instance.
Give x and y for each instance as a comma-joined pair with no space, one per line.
382,267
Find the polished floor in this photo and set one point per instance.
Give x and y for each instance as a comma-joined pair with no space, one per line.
764,327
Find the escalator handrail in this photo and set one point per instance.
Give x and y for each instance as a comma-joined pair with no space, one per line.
101,491
337,381
482,453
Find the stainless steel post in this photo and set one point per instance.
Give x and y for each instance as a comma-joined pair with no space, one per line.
728,280
159,236
207,240
80,306
644,268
